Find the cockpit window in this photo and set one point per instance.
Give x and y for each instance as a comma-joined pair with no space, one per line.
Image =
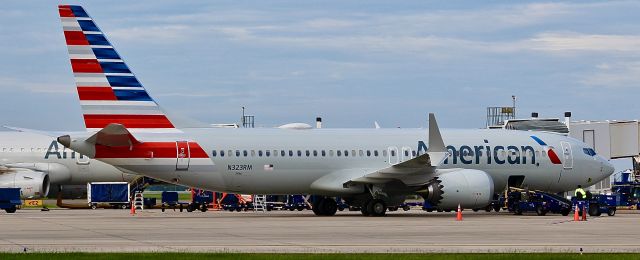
589,151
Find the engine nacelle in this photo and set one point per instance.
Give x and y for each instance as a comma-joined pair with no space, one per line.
469,188
32,184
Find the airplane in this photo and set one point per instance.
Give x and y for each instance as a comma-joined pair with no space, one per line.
36,162
373,169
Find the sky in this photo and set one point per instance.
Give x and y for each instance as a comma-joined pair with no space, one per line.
350,62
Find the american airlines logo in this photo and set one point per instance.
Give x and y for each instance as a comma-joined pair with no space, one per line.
53,150
498,154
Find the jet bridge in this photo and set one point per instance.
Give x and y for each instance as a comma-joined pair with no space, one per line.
611,139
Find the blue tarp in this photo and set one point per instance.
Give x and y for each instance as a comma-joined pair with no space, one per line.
109,193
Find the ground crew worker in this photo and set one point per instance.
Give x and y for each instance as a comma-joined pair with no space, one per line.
580,193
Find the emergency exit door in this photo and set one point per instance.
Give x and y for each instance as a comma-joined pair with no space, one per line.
183,155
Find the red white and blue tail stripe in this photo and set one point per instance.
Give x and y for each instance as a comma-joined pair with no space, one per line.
550,152
109,92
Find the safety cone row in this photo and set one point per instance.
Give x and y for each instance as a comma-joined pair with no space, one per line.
576,215
584,213
459,215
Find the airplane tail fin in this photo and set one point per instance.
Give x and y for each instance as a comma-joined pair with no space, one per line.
109,92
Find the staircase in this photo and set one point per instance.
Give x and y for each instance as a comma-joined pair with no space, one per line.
260,203
138,200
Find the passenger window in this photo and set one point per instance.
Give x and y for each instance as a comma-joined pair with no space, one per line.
315,153
384,153
291,153
260,153
393,152
307,153
323,153
230,153
268,153
406,153
213,153
361,153
375,153
282,153
237,153
413,153
339,153
331,153
346,153
299,153
353,152
275,153
221,153
253,153
368,153
245,153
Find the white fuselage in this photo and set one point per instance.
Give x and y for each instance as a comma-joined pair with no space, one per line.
280,161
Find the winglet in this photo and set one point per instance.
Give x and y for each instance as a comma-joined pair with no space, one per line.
436,144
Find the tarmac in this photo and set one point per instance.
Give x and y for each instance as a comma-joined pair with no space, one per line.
112,230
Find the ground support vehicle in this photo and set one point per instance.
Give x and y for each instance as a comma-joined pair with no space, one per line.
10,199
597,204
116,194
520,201
170,200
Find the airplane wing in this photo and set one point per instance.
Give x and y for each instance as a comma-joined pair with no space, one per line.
420,169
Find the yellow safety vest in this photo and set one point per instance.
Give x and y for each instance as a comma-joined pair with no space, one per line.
581,192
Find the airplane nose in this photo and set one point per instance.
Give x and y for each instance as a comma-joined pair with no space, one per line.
607,168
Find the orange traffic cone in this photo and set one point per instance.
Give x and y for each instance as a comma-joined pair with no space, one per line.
576,215
133,208
584,213
459,215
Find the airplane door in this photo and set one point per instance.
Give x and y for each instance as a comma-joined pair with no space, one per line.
392,151
567,156
183,155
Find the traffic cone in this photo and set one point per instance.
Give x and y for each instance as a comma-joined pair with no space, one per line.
459,215
576,215
584,213
133,208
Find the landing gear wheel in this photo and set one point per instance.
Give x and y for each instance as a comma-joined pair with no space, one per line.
540,211
329,207
325,207
364,209
316,207
377,208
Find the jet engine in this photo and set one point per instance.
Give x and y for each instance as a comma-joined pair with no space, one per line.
467,188
32,184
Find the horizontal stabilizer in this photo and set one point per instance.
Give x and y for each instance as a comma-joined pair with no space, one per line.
113,135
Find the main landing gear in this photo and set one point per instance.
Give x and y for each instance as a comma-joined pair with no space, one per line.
374,207
325,206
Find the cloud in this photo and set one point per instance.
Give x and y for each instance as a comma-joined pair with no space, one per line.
9,85
616,76
572,42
